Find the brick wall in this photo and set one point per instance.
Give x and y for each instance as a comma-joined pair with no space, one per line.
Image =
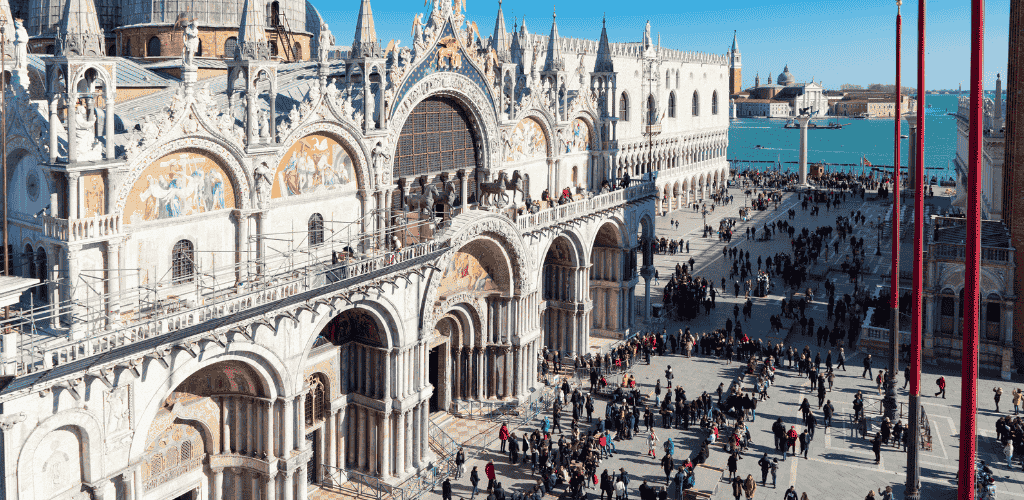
1013,166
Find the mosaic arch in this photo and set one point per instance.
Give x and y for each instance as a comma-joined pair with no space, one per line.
183,183
579,137
527,142
478,268
316,163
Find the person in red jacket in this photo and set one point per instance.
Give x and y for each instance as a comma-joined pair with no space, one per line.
503,436
489,471
942,387
790,442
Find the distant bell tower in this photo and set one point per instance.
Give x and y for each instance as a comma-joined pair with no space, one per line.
735,68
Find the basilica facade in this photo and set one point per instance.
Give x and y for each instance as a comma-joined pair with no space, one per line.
253,285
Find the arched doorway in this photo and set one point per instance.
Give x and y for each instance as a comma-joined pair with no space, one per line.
612,267
220,410
473,342
564,321
366,375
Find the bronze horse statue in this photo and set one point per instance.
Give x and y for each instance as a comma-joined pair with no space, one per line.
519,183
430,196
491,190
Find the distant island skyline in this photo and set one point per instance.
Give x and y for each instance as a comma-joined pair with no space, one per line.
771,34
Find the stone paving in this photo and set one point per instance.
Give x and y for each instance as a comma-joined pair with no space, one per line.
840,464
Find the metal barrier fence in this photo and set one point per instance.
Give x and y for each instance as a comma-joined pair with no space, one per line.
926,431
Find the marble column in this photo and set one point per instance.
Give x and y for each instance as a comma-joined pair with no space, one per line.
480,381
342,436
250,448
271,486
300,423
384,443
361,450
238,486
289,485
218,484
506,376
301,483
271,436
225,429
414,417
372,445
400,444
424,435
239,436
254,485
288,423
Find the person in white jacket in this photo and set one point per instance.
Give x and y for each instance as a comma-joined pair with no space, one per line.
620,490
1008,451
652,443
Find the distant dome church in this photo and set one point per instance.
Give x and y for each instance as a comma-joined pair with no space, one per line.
784,99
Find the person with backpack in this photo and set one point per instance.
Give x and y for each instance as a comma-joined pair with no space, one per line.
941,382
766,466
474,479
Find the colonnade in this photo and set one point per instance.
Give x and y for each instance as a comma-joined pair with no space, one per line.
386,444
492,372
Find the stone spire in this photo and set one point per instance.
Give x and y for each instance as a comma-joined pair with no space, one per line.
735,46
604,52
499,42
365,43
520,44
79,32
252,39
555,61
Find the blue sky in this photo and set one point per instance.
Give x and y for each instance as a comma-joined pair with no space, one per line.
833,41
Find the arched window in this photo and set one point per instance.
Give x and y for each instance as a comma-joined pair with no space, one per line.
229,47
199,48
273,48
298,51
677,79
182,262
672,105
186,451
315,401
316,230
714,102
696,104
668,78
575,176
652,111
624,108
153,47
993,317
42,273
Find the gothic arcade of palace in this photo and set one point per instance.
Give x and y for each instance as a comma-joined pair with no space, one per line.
244,286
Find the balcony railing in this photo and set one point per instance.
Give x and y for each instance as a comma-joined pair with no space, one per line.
952,251
561,213
77,230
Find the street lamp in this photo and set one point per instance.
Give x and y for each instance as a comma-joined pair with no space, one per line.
878,248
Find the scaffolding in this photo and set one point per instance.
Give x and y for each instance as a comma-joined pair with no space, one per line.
96,315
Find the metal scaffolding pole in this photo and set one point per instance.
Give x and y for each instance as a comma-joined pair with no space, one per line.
972,271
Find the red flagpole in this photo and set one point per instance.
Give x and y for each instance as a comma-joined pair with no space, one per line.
969,358
914,371
894,278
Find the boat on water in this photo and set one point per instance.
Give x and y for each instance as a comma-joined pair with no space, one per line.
829,126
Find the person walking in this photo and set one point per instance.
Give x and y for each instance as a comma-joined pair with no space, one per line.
1008,453
607,485
652,443
460,463
668,465
489,471
733,463
998,394
474,479
867,368
941,382
842,360
737,488
774,470
876,446
446,489
1017,399
620,490
766,466
791,494
503,436
513,449
749,487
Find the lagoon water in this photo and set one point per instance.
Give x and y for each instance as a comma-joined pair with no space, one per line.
871,138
